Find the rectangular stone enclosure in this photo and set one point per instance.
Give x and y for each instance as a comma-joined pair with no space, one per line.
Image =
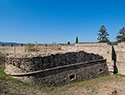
66,74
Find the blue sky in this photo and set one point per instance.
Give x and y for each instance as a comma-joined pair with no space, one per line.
46,21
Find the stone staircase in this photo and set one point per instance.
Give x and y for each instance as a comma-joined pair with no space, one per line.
110,68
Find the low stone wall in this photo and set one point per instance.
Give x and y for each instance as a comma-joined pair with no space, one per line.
66,74
21,65
57,69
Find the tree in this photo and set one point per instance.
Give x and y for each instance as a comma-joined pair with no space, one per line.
121,35
103,34
77,40
68,43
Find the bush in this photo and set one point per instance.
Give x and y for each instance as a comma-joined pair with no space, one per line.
30,47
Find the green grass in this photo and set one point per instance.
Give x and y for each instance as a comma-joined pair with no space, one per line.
2,74
119,75
7,77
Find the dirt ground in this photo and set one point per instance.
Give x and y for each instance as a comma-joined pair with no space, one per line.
109,85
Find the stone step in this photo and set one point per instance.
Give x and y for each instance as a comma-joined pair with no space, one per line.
110,68
111,72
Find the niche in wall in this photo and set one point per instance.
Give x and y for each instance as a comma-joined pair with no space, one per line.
100,70
72,77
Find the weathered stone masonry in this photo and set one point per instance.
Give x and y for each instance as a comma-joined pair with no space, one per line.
36,66
97,48
66,74
120,58
58,69
40,62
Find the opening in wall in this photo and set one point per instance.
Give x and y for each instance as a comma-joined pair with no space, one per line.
100,70
72,77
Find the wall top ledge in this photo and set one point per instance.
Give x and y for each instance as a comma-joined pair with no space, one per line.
59,67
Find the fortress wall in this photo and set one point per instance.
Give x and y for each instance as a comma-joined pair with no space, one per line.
92,44
122,43
120,57
48,47
69,48
97,48
121,67
20,49
12,49
8,49
102,49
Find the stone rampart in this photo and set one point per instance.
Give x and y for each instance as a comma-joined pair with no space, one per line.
97,48
120,58
102,49
11,49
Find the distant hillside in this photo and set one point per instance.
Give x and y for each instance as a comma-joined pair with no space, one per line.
9,43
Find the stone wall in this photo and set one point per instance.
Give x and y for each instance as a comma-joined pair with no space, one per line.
120,57
10,49
23,65
97,48
66,74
